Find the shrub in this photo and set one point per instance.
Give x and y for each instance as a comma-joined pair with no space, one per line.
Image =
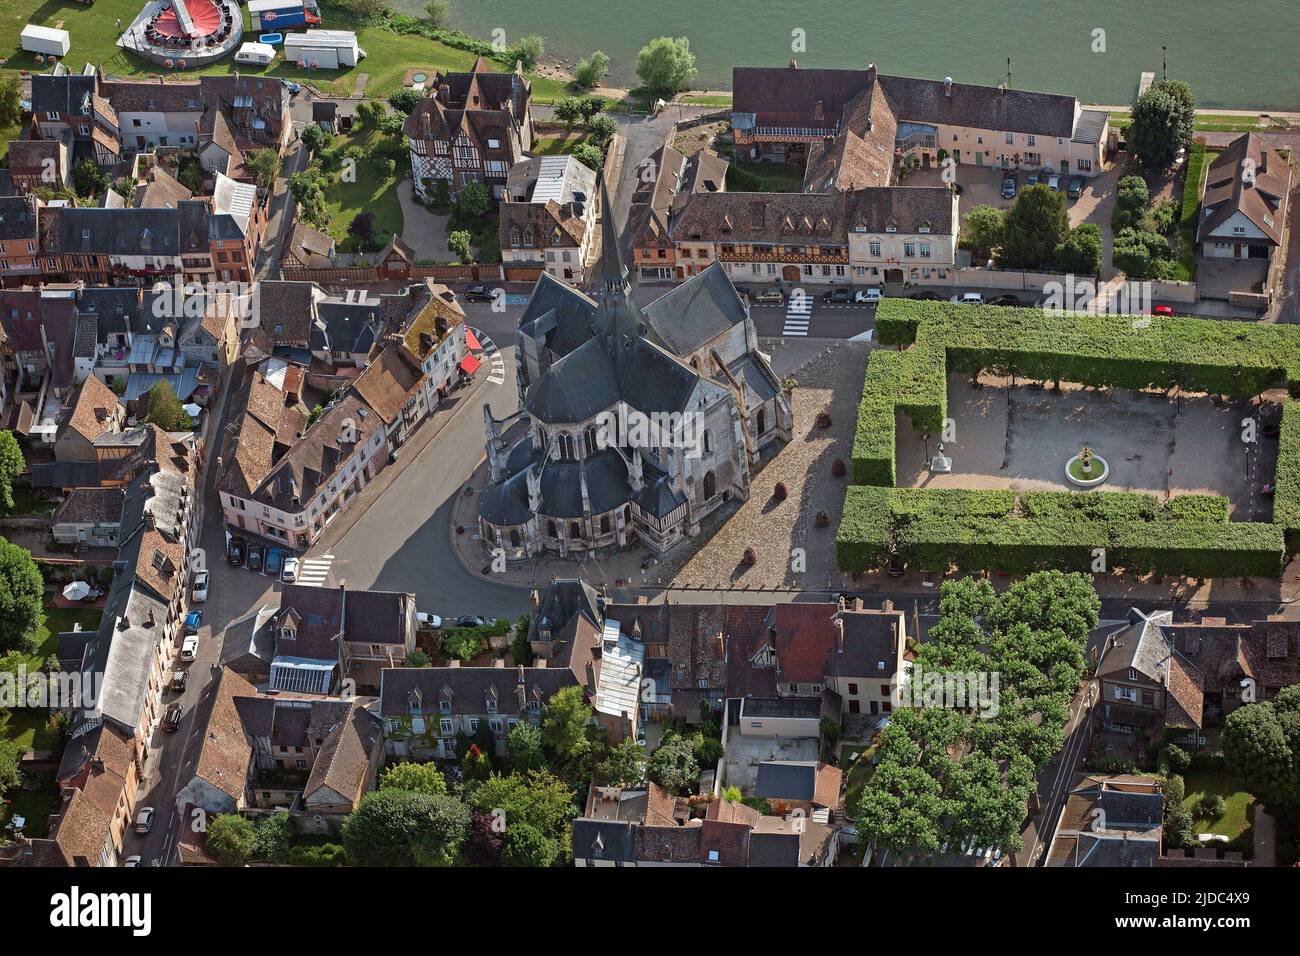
1211,807
780,492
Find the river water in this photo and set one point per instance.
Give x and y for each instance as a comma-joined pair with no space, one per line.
1236,53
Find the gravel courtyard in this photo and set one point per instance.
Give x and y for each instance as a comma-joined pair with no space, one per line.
1020,438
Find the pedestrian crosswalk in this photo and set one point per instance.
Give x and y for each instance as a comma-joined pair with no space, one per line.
314,572
798,315
492,354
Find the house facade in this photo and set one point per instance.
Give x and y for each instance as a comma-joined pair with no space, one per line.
548,217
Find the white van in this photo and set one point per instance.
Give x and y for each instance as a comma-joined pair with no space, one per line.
259,53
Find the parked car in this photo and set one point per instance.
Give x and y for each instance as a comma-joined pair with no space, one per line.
132,860
480,293
838,295
179,679
1006,299
255,553
235,552
144,820
172,719
1075,189
770,294
925,295
190,648
1054,183
1009,187
193,621
199,590
968,298
1031,180
471,620
274,561
1164,310
428,620
290,572
869,295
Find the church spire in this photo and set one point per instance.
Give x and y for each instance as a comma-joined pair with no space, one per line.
613,274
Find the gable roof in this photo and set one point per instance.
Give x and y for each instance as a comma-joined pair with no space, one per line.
1248,177
93,411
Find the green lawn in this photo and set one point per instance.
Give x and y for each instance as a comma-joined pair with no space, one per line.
1235,823
29,727
765,178
562,144
370,193
94,40
27,504
699,99
35,805
857,771
1205,123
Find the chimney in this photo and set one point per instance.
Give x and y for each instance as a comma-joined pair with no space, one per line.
444,94
871,72
839,635
535,602
857,604
719,648
947,86
793,64
887,605
591,677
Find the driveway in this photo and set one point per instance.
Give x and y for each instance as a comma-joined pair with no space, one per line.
425,232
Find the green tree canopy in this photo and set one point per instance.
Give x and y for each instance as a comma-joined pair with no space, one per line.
528,846
11,466
623,765
401,828
437,11
1034,227
673,765
537,798
415,777
1261,744
11,98
524,748
229,839
264,164
22,598
982,230
591,71
530,50
164,409
1080,251
564,727
1164,120
666,65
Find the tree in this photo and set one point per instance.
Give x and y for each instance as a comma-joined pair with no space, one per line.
673,765
229,839
404,101
528,846
1034,227
487,838
458,244
264,164
591,71
537,798
529,50
982,230
401,828
273,838
476,765
568,110
11,466
589,106
1261,745
1080,251
370,113
316,137
1141,255
1163,122
361,9
524,748
362,227
413,777
472,204
436,11
1131,198
624,765
665,65
87,178
164,409
22,598
10,775
590,155
564,727
11,98
601,129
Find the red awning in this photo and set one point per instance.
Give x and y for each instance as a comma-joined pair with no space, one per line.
469,364
471,340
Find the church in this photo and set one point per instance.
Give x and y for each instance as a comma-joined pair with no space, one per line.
641,421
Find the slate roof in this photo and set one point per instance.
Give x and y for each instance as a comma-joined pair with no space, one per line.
17,216
470,688
804,780
604,842
1126,832
692,314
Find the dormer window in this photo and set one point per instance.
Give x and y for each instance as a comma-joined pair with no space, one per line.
491,705
444,706
1132,674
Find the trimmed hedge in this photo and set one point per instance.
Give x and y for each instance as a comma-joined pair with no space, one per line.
998,530
935,529
1286,495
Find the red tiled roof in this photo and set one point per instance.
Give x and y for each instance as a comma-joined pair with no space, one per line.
805,639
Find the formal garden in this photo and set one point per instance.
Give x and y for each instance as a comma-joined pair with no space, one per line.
983,528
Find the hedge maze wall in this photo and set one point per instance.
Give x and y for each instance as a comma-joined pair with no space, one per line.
1068,530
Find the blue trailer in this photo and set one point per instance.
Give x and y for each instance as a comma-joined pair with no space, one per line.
280,15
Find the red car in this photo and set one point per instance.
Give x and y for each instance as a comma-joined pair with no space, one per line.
1162,310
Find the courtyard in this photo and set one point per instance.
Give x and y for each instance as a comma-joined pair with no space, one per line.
1020,437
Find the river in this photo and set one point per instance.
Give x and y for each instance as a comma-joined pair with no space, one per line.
1235,53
